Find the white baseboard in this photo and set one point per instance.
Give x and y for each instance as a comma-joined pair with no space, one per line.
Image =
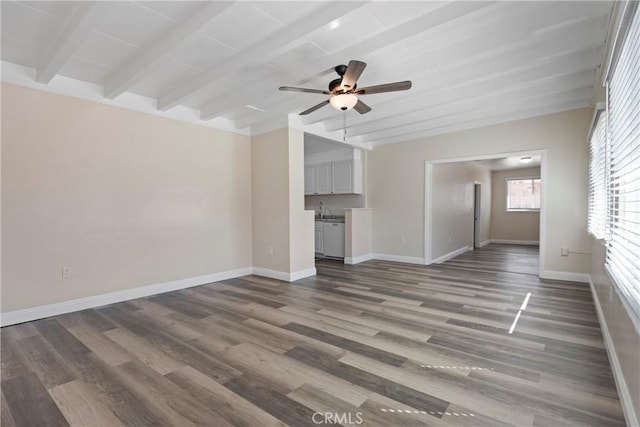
621,385
450,255
399,258
565,276
485,243
516,242
358,259
283,275
40,312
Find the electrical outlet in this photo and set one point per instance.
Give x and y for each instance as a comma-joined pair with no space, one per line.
66,272
564,251
270,250
402,240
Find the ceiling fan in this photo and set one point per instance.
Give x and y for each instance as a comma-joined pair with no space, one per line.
344,90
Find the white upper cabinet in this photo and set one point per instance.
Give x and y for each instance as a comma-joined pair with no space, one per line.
317,179
310,179
341,177
331,168
323,178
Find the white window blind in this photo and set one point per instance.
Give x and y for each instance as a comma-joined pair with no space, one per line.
623,234
597,218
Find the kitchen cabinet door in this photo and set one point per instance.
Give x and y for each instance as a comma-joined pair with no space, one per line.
319,238
342,177
323,178
310,179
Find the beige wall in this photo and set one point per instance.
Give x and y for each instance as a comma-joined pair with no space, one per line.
283,239
358,233
270,207
123,199
452,206
396,181
624,336
521,226
301,227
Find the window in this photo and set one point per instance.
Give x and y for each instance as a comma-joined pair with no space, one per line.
621,167
523,194
597,178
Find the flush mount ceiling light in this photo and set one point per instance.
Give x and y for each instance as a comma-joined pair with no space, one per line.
344,102
526,159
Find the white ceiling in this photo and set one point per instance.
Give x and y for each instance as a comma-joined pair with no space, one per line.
471,63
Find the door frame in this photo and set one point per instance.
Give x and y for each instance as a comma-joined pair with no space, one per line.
428,197
477,210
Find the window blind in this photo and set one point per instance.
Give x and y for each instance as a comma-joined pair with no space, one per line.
597,217
623,232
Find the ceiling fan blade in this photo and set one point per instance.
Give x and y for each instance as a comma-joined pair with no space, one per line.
388,87
317,76
361,107
354,70
314,108
302,89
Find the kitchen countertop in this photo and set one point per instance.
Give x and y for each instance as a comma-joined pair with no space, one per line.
330,218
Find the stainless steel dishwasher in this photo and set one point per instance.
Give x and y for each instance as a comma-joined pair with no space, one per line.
333,237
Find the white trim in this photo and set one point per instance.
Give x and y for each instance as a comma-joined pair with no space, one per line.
566,276
485,243
515,242
283,275
399,258
358,259
61,85
428,217
450,255
626,402
34,313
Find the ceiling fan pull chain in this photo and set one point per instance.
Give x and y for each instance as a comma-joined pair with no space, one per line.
344,134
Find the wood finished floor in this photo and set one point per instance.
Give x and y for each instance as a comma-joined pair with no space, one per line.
386,343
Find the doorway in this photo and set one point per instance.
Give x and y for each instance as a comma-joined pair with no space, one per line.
477,209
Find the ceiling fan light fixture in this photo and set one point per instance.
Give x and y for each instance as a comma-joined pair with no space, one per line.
344,101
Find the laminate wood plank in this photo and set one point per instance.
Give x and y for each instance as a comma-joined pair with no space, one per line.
231,407
381,325
96,320
253,298
6,419
140,325
165,398
110,390
285,374
375,383
450,387
318,317
12,363
245,334
81,407
144,351
106,349
19,331
187,354
276,404
44,361
30,404
356,347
